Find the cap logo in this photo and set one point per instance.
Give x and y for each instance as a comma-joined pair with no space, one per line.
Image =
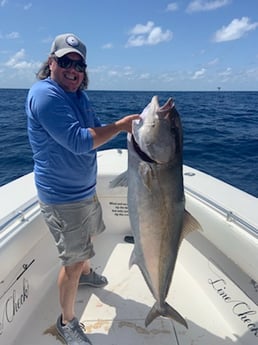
72,41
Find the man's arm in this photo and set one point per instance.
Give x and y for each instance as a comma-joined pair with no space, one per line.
103,134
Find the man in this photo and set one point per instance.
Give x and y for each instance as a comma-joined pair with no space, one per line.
64,134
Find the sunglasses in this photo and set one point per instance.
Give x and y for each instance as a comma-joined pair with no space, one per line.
66,62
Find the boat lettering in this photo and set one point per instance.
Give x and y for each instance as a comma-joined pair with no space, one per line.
119,209
239,308
13,304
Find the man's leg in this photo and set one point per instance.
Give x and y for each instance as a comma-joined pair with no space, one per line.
68,281
86,267
90,277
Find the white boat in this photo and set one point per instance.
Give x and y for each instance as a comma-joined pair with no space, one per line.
214,286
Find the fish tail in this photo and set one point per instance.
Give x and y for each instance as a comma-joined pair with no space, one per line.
167,311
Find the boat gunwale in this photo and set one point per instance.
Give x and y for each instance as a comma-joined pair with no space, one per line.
20,214
229,215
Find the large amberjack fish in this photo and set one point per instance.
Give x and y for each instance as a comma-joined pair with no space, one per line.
156,201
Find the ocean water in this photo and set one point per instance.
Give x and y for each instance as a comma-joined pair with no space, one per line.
220,131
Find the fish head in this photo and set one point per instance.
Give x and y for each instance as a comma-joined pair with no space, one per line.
158,132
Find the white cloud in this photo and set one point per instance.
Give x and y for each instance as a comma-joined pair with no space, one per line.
48,39
12,35
144,76
98,69
27,6
128,71
252,73
21,65
204,5
199,74
3,3
142,29
173,6
148,34
226,73
18,62
107,46
14,59
113,73
235,30
204,78
213,62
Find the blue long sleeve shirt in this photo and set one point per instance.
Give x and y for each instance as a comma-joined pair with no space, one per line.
65,165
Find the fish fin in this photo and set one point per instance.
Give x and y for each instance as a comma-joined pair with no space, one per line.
120,181
166,311
132,260
190,224
147,175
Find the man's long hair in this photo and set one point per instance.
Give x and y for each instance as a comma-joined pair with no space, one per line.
44,72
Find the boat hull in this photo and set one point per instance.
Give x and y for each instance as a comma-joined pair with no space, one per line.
214,283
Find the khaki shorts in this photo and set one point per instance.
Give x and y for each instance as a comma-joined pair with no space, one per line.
72,226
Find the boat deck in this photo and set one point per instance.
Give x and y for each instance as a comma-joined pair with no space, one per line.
214,286
115,315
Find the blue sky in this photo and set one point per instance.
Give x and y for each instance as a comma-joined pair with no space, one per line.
137,44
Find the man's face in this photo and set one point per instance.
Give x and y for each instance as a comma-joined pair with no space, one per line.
68,78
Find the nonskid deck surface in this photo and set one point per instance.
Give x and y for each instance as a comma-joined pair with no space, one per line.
115,315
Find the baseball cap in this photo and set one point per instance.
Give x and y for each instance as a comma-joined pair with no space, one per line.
68,43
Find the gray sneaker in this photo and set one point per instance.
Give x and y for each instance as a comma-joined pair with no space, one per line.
93,279
72,333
